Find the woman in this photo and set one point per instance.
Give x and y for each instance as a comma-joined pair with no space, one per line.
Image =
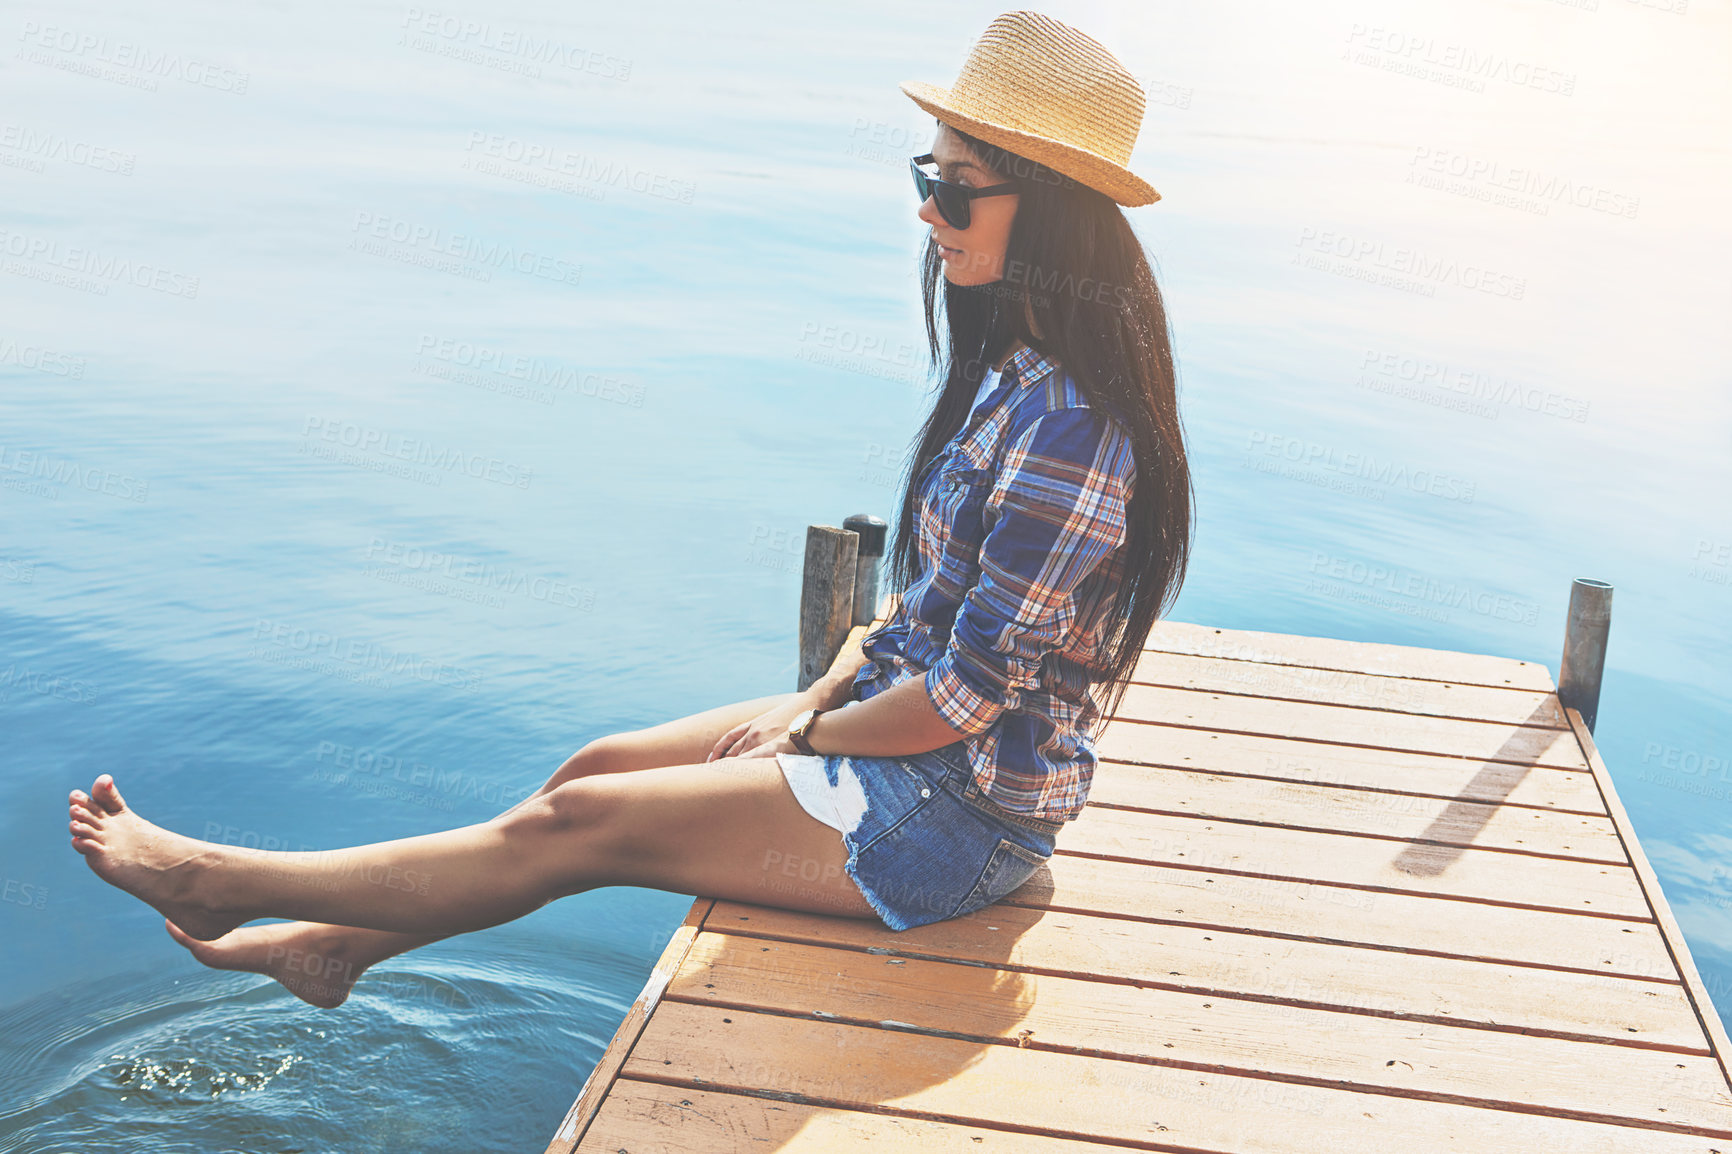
1045,523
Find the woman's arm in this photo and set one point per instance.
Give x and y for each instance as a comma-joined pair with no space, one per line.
894,723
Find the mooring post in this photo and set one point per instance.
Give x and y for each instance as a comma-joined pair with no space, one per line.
826,598
871,531
1584,660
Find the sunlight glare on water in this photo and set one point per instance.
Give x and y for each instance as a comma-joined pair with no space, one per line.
336,526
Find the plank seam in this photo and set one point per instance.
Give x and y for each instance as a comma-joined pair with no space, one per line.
1231,995
1550,686
1388,1091
1264,824
1356,705
1122,719
1384,947
924,1115
720,1091
1130,763
1359,886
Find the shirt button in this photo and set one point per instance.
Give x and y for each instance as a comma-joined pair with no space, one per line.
925,793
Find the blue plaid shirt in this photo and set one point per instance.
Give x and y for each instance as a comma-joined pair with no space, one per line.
1021,530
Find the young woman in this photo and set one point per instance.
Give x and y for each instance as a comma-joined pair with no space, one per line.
1045,524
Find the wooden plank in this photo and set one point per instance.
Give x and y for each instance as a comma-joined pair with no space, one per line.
1347,859
595,1087
1344,725
1695,990
1075,1096
1436,775
1382,982
649,1118
1207,1031
1354,916
1352,656
1197,793
1343,687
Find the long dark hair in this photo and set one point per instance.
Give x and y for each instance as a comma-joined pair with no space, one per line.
1074,265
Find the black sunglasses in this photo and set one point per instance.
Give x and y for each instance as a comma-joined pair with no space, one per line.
952,199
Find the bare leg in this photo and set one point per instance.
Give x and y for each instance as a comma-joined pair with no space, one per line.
729,829
319,963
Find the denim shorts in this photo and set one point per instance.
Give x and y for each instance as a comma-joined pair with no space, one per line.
924,842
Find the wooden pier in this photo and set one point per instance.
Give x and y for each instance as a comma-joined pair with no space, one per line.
1326,896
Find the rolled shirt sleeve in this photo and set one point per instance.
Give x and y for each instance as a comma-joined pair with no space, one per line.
1057,509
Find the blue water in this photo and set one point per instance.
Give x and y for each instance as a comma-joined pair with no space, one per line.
246,291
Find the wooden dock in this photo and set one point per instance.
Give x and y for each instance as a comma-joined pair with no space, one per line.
1325,896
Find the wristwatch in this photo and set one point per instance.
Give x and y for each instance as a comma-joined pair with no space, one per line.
800,727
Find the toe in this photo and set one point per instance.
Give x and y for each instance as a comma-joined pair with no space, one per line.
107,795
82,830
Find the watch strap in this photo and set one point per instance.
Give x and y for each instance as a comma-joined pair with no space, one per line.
798,733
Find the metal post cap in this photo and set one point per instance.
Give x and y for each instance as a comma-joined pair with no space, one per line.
871,530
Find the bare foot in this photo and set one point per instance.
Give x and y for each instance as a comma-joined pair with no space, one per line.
165,870
313,962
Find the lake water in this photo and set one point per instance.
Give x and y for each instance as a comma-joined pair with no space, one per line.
336,330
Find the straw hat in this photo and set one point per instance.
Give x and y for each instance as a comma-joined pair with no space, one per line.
1046,91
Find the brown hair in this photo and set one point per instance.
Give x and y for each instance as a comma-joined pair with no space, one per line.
1074,265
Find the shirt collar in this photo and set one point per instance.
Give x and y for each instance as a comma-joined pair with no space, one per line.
1027,365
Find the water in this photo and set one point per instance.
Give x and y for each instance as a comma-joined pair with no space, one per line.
644,403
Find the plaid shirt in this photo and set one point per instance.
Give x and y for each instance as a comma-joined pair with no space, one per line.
1021,521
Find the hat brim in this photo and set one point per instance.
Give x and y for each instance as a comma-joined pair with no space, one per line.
1090,168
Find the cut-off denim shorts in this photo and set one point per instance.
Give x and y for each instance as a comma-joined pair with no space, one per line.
924,842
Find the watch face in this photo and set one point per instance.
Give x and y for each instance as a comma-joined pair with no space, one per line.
802,721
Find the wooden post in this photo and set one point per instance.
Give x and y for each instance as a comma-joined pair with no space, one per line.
871,530
826,598
1584,660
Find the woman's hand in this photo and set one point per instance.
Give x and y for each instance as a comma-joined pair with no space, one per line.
755,738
